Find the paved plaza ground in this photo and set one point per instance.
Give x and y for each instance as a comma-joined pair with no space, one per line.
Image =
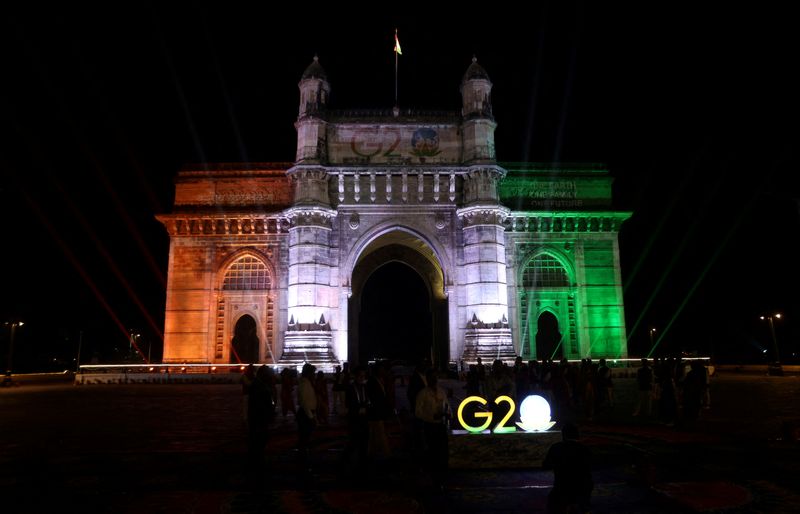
181,448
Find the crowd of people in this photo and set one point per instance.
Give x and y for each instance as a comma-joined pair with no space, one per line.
580,391
365,398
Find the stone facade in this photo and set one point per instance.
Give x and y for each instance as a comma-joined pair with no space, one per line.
290,246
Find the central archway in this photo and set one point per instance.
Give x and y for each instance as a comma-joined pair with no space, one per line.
395,322
398,308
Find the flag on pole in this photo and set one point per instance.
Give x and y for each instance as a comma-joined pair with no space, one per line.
397,44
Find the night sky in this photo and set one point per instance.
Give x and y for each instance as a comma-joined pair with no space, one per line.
693,111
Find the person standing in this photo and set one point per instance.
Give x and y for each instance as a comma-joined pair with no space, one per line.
260,412
247,380
416,437
306,411
287,391
339,388
357,401
605,385
377,414
694,387
644,383
571,463
433,410
321,390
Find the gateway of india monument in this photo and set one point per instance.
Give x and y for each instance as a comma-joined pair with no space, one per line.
268,261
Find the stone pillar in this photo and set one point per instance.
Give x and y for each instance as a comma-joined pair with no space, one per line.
311,299
484,279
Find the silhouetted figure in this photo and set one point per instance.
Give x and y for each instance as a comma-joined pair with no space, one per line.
378,412
247,380
571,463
416,437
481,373
433,410
644,383
605,387
339,388
321,390
416,383
357,402
260,412
306,412
473,386
287,391
694,387
668,402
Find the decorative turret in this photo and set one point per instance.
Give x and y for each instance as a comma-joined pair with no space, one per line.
310,125
476,92
314,90
478,122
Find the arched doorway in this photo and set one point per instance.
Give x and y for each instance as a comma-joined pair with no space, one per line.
395,321
546,288
548,337
245,287
244,345
398,308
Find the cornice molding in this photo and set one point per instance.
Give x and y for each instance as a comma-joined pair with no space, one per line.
542,221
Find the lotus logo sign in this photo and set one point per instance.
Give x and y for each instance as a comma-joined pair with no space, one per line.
534,415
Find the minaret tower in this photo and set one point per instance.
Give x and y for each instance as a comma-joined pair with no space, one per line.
311,297
310,125
488,335
478,125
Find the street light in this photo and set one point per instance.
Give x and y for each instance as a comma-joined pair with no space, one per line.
769,318
10,360
652,333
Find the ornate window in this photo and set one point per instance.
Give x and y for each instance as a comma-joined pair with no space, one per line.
246,273
544,271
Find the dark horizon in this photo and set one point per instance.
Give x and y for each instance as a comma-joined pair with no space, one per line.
693,112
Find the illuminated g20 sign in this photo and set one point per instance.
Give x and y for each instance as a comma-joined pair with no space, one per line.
534,414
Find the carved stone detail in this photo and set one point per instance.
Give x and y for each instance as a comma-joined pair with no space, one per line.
354,221
483,215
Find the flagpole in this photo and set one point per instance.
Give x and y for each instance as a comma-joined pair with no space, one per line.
395,69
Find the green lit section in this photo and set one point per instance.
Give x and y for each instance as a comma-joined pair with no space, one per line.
564,213
589,310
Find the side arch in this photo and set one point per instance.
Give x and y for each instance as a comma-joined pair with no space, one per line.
235,302
550,295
